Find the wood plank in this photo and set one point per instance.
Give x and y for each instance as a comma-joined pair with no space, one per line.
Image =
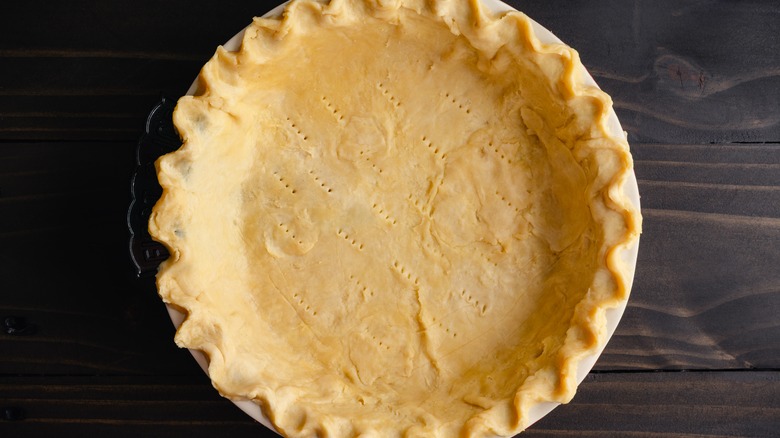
143,29
707,289
607,405
73,184
66,269
674,80
89,343
31,172
88,84
56,156
33,127
706,295
121,406
30,76
708,153
716,84
79,210
82,107
741,180
669,405
709,173
90,80
71,181
71,169
90,314
729,199
719,312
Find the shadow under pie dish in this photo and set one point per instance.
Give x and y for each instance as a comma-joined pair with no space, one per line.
396,218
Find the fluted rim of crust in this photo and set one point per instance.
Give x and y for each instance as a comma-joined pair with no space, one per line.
586,334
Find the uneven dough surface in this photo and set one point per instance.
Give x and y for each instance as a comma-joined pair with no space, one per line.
394,217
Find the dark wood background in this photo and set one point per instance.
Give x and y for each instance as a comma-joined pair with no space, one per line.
89,350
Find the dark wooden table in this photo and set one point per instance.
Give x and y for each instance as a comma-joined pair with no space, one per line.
86,348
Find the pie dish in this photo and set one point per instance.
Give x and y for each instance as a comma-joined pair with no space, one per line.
395,218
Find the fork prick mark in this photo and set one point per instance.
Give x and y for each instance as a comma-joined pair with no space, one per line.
368,160
337,114
297,129
457,103
350,239
317,180
466,296
499,153
435,150
383,213
302,304
394,101
507,202
287,184
405,273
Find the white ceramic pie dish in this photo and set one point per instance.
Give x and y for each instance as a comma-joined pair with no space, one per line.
629,255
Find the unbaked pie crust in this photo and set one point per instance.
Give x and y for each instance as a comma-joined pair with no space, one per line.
394,217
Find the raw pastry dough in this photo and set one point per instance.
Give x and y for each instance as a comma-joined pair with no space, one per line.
394,217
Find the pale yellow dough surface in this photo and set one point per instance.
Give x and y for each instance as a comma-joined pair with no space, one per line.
395,217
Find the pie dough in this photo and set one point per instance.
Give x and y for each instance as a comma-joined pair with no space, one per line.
394,217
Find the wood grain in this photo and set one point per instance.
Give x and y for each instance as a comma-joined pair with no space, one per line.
669,405
730,199
718,154
91,71
707,288
92,316
63,79
706,294
679,71
692,82
121,406
65,266
658,404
